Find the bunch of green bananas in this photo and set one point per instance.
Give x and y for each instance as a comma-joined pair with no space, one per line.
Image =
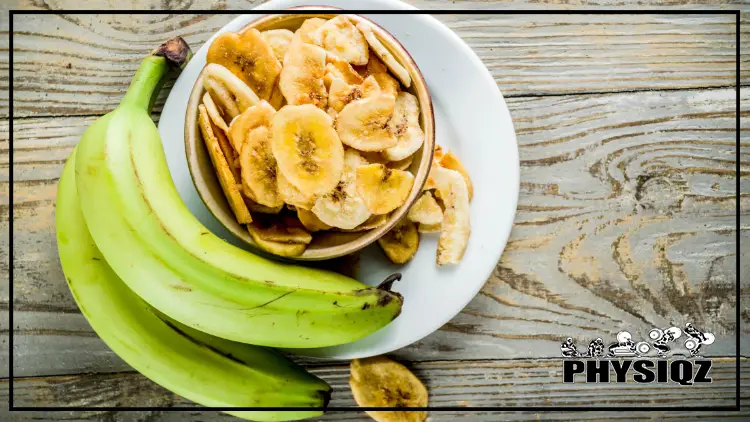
176,302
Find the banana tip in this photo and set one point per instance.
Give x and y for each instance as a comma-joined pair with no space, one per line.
176,51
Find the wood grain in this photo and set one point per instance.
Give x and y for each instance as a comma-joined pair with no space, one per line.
625,219
78,64
450,383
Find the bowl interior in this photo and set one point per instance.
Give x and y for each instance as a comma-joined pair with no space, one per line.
325,245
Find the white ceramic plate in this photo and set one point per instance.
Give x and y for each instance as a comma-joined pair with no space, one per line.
471,119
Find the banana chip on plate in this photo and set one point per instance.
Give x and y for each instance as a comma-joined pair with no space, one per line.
340,38
249,57
224,173
451,162
233,88
283,230
381,382
279,40
222,97
343,208
426,211
456,225
341,93
301,79
386,83
293,196
213,112
374,65
401,73
373,222
401,242
259,169
307,149
383,189
405,126
363,124
255,116
430,228
276,248
341,69
302,34
258,208
233,159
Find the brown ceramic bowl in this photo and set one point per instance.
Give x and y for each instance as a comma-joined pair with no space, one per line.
325,245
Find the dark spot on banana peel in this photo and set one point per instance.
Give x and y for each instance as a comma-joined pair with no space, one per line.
96,259
365,306
181,288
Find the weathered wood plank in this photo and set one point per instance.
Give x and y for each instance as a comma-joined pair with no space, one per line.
453,383
626,220
78,64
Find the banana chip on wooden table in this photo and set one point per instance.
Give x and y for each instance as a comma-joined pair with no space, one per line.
381,382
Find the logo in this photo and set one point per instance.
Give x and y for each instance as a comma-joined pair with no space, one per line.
661,352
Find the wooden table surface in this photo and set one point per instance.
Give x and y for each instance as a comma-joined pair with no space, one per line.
626,216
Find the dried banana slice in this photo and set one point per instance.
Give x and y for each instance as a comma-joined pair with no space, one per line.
255,116
258,208
340,93
430,228
401,242
363,124
426,211
373,157
277,99
374,65
301,80
340,38
227,149
249,57
341,69
456,226
279,40
451,162
214,113
383,189
283,230
259,168
438,154
373,222
343,208
242,95
276,248
307,149
379,49
310,221
302,34
380,382
370,88
291,195
404,164
224,173
386,83
221,95
405,126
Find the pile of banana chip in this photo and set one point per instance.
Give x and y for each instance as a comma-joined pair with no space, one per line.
311,131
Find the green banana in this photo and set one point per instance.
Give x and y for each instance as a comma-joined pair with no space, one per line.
162,252
206,369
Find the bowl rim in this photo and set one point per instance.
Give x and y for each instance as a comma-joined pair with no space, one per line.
366,238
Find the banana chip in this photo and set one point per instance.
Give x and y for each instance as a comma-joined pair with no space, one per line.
404,164
301,79
373,157
343,208
221,95
230,155
379,49
277,99
302,34
307,149
241,94
341,93
259,169
381,382
276,248
386,83
451,162
343,70
255,116
279,40
341,39
224,173
214,113
401,242
283,230
249,57
456,226
374,65
405,126
310,221
426,211
363,124
291,195
438,154
383,189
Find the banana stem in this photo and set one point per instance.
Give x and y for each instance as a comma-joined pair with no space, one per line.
149,78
